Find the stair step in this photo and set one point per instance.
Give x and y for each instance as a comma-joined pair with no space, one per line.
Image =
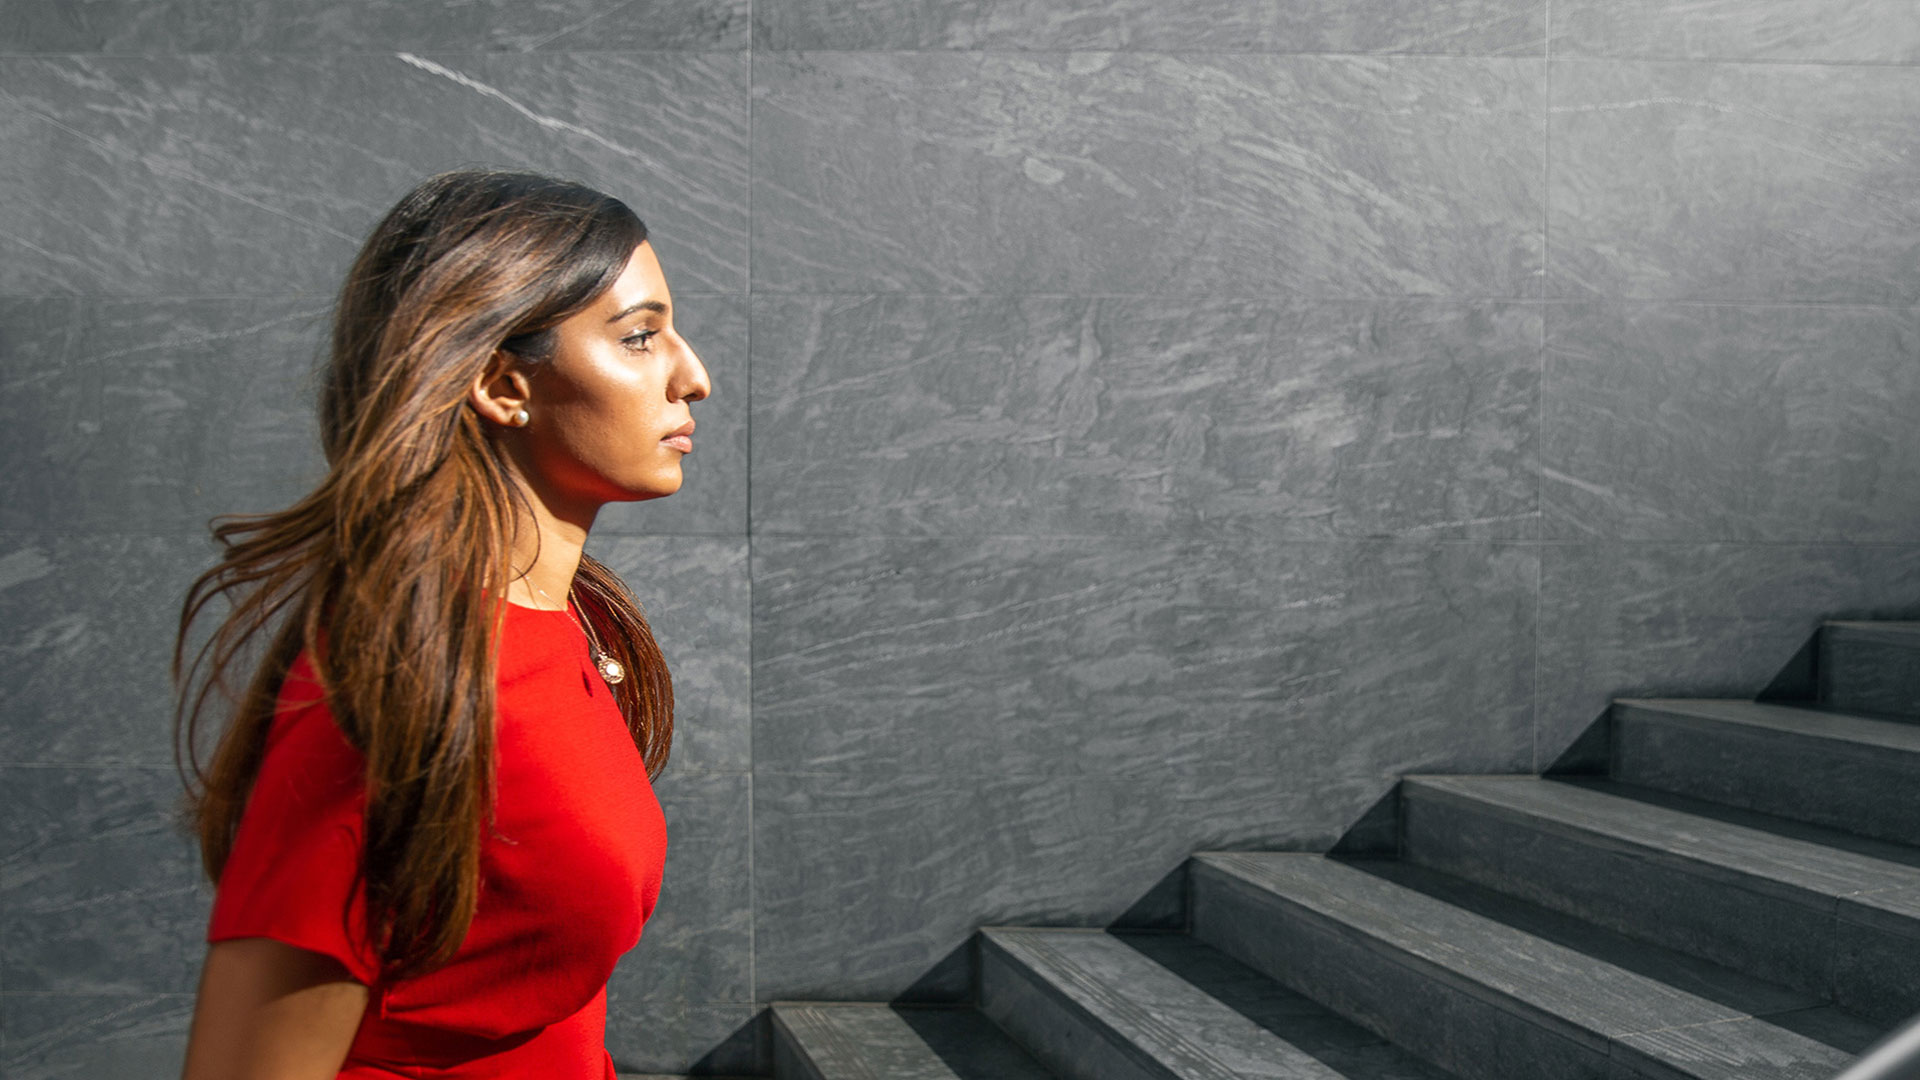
1834,915
874,1041
1835,769
1871,667
1471,993
1703,978
1124,1006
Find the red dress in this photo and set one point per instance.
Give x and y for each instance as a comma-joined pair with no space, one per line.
567,880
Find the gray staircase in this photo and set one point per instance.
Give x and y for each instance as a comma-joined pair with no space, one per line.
1734,893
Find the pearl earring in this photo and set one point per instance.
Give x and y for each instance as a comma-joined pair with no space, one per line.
520,418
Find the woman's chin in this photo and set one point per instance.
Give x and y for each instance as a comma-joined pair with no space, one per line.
658,487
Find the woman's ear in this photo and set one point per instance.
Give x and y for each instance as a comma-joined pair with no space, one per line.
501,390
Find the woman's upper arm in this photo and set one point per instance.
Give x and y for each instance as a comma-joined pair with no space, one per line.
270,1011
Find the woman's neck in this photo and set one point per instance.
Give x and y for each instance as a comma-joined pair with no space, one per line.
546,555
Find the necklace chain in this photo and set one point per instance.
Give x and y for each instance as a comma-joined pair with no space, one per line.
608,667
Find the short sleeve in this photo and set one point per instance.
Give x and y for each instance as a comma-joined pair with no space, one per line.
293,872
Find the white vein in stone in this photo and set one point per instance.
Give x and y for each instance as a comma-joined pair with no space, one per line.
552,123
565,30
20,567
56,256
218,335
1824,131
1584,485
154,165
1465,522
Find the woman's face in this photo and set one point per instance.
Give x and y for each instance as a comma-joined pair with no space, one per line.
605,409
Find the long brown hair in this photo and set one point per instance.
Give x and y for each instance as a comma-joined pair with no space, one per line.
383,572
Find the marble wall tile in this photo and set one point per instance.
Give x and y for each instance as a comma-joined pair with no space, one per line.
1124,657
81,1036
661,1040
91,620
162,413
99,892
148,27
259,175
864,884
1695,620
695,592
1227,418
1454,27
1714,181
698,944
1714,422
1146,174
1858,31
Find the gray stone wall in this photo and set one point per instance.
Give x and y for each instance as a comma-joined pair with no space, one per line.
1138,427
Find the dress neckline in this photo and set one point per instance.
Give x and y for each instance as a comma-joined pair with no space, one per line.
560,611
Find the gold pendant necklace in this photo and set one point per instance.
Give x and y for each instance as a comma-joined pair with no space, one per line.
608,667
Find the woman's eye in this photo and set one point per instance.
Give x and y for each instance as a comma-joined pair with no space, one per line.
639,339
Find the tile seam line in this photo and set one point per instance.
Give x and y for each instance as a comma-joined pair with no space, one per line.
886,294
64,533
756,51
691,774
786,51
746,510
1330,541
1540,382
1516,57
1161,298
359,53
200,532
1544,54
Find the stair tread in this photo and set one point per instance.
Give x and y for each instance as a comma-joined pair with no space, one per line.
1199,1013
1887,630
1585,999
1739,991
876,1041
1745,851
1840,728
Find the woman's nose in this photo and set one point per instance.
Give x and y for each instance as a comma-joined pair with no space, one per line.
694,380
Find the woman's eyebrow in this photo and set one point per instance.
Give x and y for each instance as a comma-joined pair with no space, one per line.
644,305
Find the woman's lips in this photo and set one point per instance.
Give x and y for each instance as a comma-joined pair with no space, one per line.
682,443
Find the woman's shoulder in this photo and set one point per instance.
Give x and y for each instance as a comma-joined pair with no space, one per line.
303,719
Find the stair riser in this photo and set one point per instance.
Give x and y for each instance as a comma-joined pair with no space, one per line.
1058,1033
1862,790
1763,928
1864,675
1875,967
790,1062
1463,1029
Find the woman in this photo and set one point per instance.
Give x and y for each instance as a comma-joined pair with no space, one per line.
430,823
